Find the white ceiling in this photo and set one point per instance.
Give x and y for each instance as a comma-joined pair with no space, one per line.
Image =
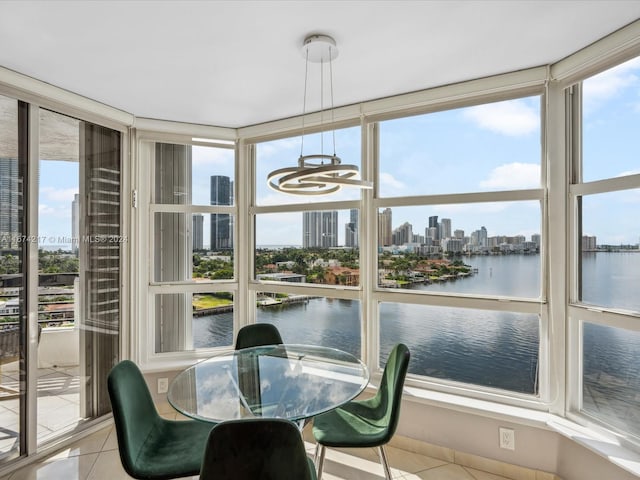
238,63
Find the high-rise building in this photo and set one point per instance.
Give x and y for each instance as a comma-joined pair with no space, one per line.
452,245
403,234
320,229
535,238
445,228
385,230
433,223
351,229
197,232
9,203
458,234
221,194
588,243
483,237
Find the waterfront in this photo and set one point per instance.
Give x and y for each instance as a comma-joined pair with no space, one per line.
488,348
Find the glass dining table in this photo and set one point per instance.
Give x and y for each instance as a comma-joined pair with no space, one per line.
295,382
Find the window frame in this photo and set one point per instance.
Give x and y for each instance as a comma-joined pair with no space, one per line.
579,313
468,94
145,141
472,301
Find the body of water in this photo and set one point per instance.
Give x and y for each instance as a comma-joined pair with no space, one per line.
488,348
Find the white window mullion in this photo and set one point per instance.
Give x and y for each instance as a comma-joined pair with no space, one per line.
555,219
31,283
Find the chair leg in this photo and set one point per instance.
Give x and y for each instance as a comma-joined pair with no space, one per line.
319,460
384,462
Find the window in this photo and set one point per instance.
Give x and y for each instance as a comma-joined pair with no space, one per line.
461,248
610,376
489,147
192,230
459,221
495,349
313,319
307,250
606,196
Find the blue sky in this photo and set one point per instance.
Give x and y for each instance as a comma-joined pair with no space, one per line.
484,148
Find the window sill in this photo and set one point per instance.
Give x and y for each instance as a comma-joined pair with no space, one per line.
606,446
474,406
601,444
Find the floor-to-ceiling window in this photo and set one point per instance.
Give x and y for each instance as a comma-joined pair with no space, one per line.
80,246
70,229
605,192
13,254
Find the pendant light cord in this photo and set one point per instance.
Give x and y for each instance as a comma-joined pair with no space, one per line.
332,104
304,100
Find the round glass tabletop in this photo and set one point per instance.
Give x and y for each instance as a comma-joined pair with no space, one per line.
284,381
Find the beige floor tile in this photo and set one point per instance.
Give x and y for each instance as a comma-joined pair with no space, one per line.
112,440
445,472
72,468
108,466
93,443
480,475
407,462
353,464
493,466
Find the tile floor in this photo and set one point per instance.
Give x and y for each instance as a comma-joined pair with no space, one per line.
96,457
58,404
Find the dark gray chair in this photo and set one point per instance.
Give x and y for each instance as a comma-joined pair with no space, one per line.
258,334
256,449
150,446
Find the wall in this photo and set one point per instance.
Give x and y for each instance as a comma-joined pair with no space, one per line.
59,347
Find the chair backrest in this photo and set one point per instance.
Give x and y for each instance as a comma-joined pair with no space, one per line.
134,412
389,395
258,334
256,448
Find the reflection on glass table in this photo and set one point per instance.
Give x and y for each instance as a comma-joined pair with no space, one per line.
295,382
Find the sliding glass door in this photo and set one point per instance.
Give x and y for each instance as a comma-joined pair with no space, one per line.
60,255
13,249
79,272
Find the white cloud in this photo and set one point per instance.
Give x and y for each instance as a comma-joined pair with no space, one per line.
629,172
62,195
389,181
207,156
513,176
44,209
511,118
269,149
605,85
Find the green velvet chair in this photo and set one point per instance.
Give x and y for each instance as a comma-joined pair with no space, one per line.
366,423
256,449
258,334
150,446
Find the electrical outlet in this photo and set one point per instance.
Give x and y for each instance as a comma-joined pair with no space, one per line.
163,385
507,438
